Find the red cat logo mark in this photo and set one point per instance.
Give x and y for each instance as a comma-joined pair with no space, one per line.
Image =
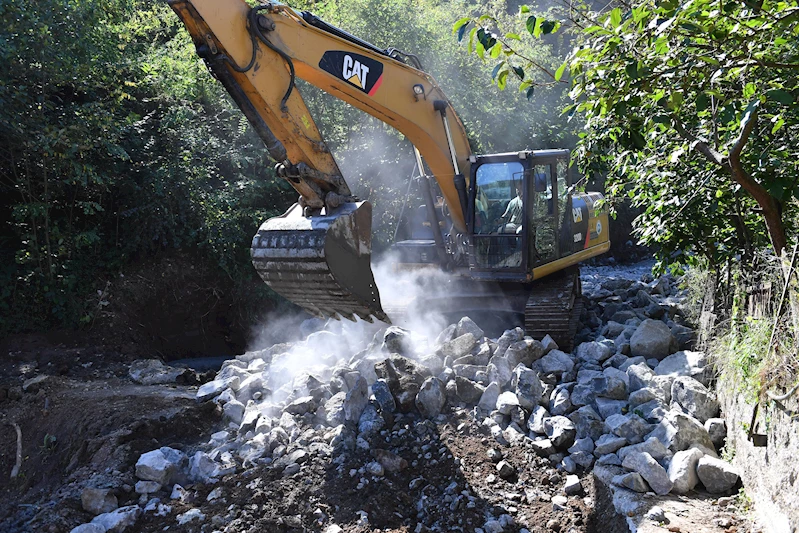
358,70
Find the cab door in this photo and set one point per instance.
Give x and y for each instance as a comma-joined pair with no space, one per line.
549,211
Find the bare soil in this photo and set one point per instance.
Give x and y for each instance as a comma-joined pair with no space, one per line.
86,424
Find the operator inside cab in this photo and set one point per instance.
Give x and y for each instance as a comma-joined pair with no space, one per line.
512,218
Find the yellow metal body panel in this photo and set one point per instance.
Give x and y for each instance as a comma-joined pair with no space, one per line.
569,260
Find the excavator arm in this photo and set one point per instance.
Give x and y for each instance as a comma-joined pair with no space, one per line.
318,253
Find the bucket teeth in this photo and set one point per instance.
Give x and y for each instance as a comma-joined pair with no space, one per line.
321,263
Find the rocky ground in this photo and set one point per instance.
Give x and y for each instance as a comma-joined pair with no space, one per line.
359,427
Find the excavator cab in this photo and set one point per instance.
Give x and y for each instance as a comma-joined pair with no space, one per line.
515,213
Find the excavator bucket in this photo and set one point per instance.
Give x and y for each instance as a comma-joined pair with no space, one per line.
321,263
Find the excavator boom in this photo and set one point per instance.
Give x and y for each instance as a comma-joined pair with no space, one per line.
317,254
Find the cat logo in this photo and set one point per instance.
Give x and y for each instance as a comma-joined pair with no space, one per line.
354,71
358,70
577,215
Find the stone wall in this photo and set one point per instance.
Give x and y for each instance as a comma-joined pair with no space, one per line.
770,474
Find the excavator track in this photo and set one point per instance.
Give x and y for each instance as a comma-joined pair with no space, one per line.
321,263
554,307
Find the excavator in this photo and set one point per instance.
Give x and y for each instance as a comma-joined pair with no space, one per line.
510,226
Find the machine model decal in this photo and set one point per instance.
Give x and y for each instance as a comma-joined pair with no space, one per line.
360,71
580,206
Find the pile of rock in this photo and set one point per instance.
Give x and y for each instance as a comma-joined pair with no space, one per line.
632,398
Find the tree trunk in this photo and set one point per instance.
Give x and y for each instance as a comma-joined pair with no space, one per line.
772,214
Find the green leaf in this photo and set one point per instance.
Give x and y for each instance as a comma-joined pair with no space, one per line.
548,26
524,9
460,24
519,72
496,50
471,39
778,123
702,102
531,24
615,17
462,32
537,29
560,71
632,69
496,69
530,92
502,80
514,36
778,95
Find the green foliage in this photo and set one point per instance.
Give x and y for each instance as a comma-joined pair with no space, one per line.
690,107
668,90
117,144
739,355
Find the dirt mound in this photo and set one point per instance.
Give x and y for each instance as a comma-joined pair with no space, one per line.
78,430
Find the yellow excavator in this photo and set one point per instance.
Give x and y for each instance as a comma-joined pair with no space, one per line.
510,219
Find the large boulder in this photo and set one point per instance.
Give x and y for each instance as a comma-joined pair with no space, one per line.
686,363
488,401
160,465
467,325
716,475
524,352
587,422
560,431
355,401
431,398
398,340
404,378
678,431
458,347
555,362
98,501
717,429
506,402
652,339
639,376
654,474
694,398
630,426
608,443
536,421
500,371
529,388
118,520
593,351
682,470
509,337
652,446
383,396
467,390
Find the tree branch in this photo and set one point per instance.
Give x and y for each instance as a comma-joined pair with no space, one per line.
699,145
740,142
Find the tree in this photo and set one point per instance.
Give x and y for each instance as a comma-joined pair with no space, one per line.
691,107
